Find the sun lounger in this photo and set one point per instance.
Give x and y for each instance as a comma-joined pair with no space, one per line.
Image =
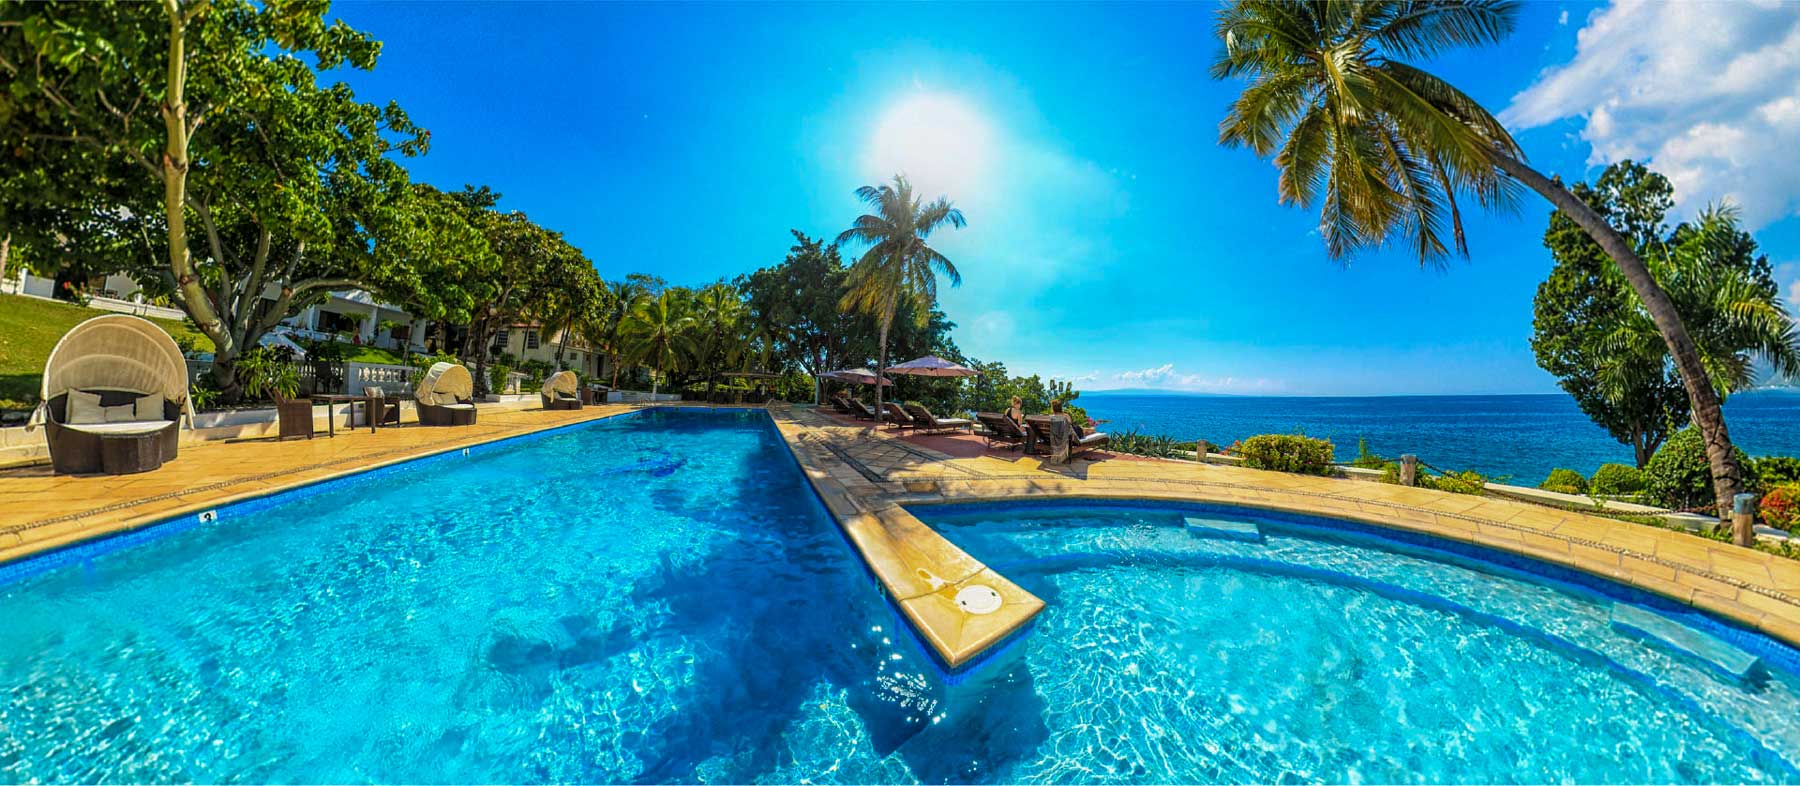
861,410
1080,441
1000,429
898,417
923,420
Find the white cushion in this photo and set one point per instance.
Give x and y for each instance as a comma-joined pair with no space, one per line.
459,406
953,421
119,413
148,407
84,408
125,427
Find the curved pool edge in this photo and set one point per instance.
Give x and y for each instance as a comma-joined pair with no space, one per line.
1762,609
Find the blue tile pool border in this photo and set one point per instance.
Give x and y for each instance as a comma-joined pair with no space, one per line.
101,545
1774,652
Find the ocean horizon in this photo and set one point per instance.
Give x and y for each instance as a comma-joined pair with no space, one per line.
1517,438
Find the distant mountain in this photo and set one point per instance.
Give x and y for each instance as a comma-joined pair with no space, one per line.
1156,392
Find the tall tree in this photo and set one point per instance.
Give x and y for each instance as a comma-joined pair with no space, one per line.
657,334
718,339
1386,149
1579,306
535,269
609,327
199,122
897,267
798,303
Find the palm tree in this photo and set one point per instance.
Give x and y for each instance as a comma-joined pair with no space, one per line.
1386,149
897,266
657,334
610,328
1728,302
718,310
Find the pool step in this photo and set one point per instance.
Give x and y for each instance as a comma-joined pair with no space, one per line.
1679,639
1223,529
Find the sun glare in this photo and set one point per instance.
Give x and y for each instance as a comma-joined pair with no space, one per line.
938,141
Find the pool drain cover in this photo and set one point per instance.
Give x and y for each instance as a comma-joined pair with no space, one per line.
978,599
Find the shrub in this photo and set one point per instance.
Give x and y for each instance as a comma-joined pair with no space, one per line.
1772,471
1616,480
1287,453
1467,481
1678,476
1566,481
1780,507
1366,459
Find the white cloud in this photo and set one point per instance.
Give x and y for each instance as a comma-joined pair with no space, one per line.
1706,93
1167,377
1563,18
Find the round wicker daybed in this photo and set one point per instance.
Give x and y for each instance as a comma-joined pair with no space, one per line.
115,392
561,390
446,396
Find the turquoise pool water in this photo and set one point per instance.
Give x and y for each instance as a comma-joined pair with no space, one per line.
1323,654
660,598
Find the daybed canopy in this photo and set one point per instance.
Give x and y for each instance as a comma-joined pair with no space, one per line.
117,352
562,383
445,384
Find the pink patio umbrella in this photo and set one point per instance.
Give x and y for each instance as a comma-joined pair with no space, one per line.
860,376
932,366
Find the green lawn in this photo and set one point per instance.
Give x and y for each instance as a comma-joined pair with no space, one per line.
29,329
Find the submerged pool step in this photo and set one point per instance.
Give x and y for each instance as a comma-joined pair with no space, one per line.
1679,639
1224,529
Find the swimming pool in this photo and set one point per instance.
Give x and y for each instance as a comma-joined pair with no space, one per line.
660,597
1333,652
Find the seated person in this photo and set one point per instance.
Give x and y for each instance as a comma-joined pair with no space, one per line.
1016,412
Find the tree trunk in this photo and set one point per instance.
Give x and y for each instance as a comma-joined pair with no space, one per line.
481,356
613,358
5,253
887,319
194,297
1727,475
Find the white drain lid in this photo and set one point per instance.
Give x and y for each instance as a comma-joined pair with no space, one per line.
978,599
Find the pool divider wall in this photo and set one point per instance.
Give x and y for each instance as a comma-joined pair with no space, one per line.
956,660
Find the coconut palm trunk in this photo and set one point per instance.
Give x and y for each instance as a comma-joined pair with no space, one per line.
1728,478
887,322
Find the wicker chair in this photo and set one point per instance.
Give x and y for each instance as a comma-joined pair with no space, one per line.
115,391
561,391
446,396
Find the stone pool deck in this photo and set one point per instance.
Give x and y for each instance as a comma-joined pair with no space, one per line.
868,476
40,510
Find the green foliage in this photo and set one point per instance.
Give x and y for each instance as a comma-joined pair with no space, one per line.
1616,480
1366,459
268,372
1566,481
1772,471
291,185
1138,443
1679,476
1577,311
1388,151
202,394
1464,482
1287,453
497,374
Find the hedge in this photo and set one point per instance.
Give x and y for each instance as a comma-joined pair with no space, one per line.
1288,453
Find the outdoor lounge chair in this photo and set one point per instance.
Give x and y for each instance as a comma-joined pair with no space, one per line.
561,391
115,390
446,396
861,410
382,410
923,420
840,403
898,417
1080,440
1001,429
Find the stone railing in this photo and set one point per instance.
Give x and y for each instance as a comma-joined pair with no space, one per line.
393,380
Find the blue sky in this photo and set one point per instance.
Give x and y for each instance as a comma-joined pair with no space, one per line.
1110,238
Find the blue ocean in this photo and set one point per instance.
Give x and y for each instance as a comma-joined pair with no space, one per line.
1519,437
